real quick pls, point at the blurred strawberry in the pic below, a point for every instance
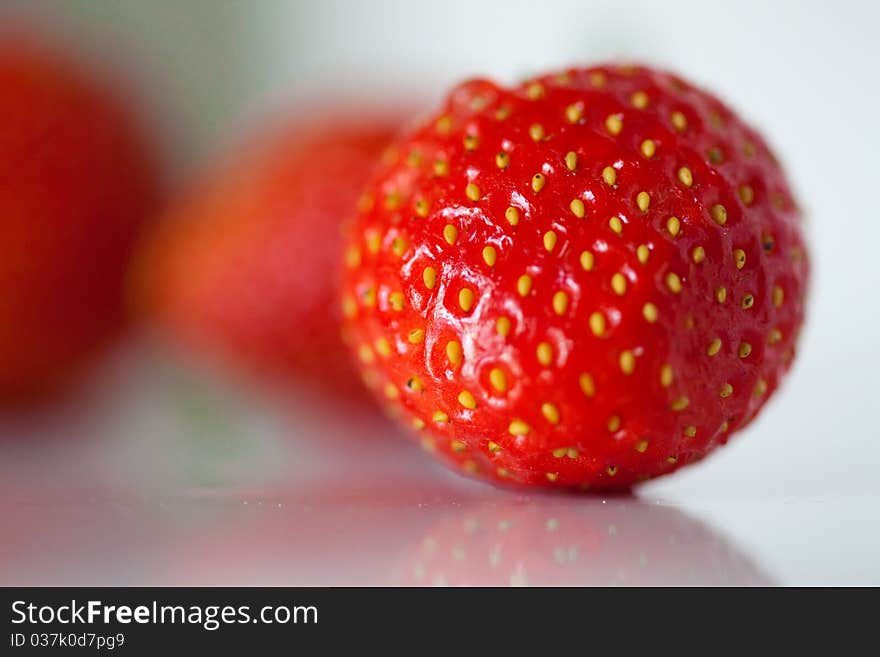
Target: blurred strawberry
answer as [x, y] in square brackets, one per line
[243, 265]
[75, 184]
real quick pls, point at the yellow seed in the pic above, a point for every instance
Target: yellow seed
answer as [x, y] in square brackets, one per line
[679, 122]
[441, 168]
[698, 254]
[551, 476]
[690, 431]
[714, 347]
[778, 296]
[597, 78]
[544, 353]
[739, 257]
[685, 177]
[353, 257]
[613, 423]
[747, 301]
[457, 446]
[577, 208]
[391, 391]
[466, 399]
[466, 299]
[642, 446]
[550, 413]
[416, 336]
[349, 306]
[614, 124]
[422, 208]
[648, 148]
[538, 181]
[415, 384]
[524, 285]
[383, 347]
[574, 112]
[490, 255]
[414, 159]
[502, 326]
[616, 225]
[611, 470]
[493, 447]
[560, 302]
[726, 391]
[746, 194]
[398, 246]
[760, 387]
[597, 324]
[649, 311]
[518, 428]
[671, 459]
[673, 282]
[587, 260]
[369, 297]
[374, 241]
[627, 362]
[429, 276]
[774, 336]
[396, 300]
[571, 160]
[512, 216]
[502, 160]
[502, 113]
[680, 404]
[392, 201]
[639, 100]
[498, 379]
[588, 386]
[471, 142]
[719, 214]
[536, 132]
[450, 234]
[643, 252]
[673, 225]
[609, 175]
[472, 192]
[535, 91]
[453, 352]
[444, 125]
[666, 375]
[643, 200]
[550, 240]
[745, 349]
[618, 283]
[721, 294]
[418, 423]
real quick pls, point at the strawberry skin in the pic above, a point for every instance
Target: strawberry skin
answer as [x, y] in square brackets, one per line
[76, 184]
[588, 280]
[242, 267]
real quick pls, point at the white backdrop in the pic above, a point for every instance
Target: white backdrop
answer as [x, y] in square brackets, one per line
[804, 72]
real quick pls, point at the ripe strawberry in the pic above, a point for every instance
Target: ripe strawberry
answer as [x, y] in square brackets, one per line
[243, 265]
[590, 279]
[76, 183]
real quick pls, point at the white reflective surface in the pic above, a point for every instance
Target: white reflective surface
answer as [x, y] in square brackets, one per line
[160, 476]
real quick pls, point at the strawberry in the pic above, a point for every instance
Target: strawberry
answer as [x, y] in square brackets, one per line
[76, 183]
[587, 280]
[242, 266]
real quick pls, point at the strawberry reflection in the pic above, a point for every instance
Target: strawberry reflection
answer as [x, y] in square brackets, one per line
[553, 542]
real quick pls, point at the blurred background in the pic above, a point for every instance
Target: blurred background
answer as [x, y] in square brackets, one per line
[157, 472]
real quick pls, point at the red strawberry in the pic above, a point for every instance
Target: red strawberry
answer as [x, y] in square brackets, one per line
[75, 184]
[590, 279]
[243, 266]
